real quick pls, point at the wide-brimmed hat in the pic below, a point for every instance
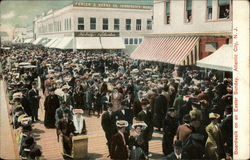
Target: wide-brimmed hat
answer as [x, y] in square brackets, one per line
[65, 87]
[139, 123]
[76, 111]
[121, 123]
[214, 115]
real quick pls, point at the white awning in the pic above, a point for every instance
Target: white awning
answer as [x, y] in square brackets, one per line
[38, 40]
[112, 43]
[88, 43]
[66, 43]
[50, 42]
[58, 40]
[28, 40]
[221, 59]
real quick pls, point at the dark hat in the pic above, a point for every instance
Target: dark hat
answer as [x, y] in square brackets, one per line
[27, 128]
[29, 141]
[178, 143]
[52, 89]
[229, 108]
[187, 118]
[34, 83]
[172, 109]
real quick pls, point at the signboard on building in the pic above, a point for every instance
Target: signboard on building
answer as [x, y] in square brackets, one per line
[108, 5]
[96, 34]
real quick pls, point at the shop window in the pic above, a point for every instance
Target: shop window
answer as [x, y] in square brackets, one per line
[209, 9]
[224, 9]
[93, 23]
[168, 12]
[126, 41]
[131, 41]
[138, 24]
[188, 11]
[105, 23]
[116, 24]
[128, 24]
[135, 41]
[80, 23]
[149, 24]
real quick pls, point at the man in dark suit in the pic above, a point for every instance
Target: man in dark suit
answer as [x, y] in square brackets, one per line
[33, 97]
[119, 145]
[108, 125]
[178, 154]
[124, 114]
[66, 130]
[226, 127]
[146, 116]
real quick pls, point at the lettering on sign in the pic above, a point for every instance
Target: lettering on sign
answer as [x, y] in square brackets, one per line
[108, 5]
[96, 34]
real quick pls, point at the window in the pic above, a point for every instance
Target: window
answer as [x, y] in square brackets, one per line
[224, 9]
[116, 24]
[93, 23]
[128, 24]
[209, 9]
[135, 41]
[188, 11]
[105, 23]
[211, 47]
[138, 24]
[126, 40]
[80, 23]
[149, 24]
[168, 12]
[70, 24]
[131, 41]
[60, 26]
[140, 40]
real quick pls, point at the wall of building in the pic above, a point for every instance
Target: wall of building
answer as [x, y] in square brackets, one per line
[204, 40]
[199, 23]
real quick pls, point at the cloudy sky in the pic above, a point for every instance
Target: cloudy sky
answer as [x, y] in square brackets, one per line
[21, 13]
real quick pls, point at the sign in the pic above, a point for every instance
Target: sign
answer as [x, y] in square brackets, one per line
[96, 34]
[108, 5]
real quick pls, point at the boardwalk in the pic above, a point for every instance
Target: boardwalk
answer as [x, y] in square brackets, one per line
[46, 139]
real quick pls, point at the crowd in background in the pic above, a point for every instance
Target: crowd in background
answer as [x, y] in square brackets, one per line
[135, 98]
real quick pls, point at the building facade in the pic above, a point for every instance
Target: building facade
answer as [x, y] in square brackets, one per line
[208, 23]
[129, 22]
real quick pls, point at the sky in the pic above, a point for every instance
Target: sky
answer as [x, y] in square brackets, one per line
[14, 13]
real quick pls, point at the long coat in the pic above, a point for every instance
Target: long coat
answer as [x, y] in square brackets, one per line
[214, 144]
[147, 118]
[108, 125]
[119, 150]
[51, 103]
[161, 106]
[66, 129]
[170, 125]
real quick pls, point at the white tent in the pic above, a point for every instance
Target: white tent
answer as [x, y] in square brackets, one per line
[221, 59]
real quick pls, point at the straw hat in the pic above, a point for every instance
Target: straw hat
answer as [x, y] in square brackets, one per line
[65, 87]
[75, 111]
[214, 116]
[139, 123]
[121, 123]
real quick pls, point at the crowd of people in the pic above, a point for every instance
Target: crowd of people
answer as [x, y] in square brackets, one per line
[134, 99]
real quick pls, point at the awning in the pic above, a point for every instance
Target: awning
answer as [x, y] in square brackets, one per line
[50, 42]
[173, 49]
[221, 59]
[112, 43]
[28, 40]
[57, 41]
[88, 43]
[66, 43]
[38, 40]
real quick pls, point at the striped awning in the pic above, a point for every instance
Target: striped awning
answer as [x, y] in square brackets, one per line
[172, 49]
